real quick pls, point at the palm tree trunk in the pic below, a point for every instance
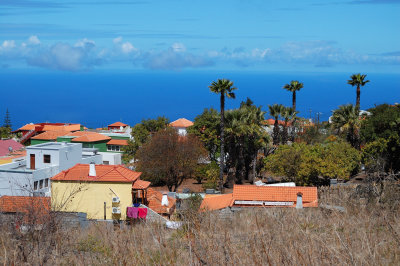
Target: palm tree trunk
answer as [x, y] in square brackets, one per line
[275, 133]
[294, 100]
[358, 98]
[222, 155]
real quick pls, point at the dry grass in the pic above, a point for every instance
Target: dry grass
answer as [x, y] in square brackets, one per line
[366, 234]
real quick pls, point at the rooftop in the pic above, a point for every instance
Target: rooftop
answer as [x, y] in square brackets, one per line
[5, 145]
[23, 204]
[51, 146]
[121, 142]
[118, 124]
[154, 198]
[85, 136]
[104, 173]
[181, 122]
[51, 135]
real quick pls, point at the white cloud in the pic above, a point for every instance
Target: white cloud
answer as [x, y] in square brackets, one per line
[178, 47]
[127, 47]
[34, 40]
[117, 40]
[8, 44]
[85, 43]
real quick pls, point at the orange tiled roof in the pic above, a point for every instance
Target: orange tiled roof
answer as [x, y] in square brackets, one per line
[122, 142]
[23, 204]
[154, 198]
[51, 135]
[141, 184]
[85, 136]
[181, 122]
[27, 127]
[284, 194]
[118, 124]
[104, 173]
[216, 202]
[73, 127]
[271, 122]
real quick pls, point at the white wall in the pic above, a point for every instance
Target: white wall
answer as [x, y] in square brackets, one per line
[113, 158]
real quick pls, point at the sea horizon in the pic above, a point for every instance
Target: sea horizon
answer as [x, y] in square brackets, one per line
[98, 98]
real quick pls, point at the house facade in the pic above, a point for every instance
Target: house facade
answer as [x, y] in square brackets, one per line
[104, 192]
[31, 175]
[181, 125]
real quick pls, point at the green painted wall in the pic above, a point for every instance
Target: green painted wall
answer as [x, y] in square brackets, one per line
[116, 137]
[100, 145]
[39, 141]
[65, 139]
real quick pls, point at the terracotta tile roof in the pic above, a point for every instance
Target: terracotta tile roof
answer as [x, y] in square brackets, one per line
[121, 142]
[23, 204]
[14, 155]
[216, 202]
[6, 143]
[50, 127]
[271, 122]
[282, 194]
[104, 173]
[141, 184]
[85, 136]
[51, 135]
[27, 127]
[181, 122]
[118, 124]
[154, 198]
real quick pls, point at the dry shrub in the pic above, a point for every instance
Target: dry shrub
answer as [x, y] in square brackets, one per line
[365, 234]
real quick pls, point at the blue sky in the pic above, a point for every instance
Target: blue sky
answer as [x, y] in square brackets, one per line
[248, 35]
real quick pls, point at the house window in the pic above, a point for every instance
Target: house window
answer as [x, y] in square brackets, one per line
[46, 182]
[35, 185]
[117, 148]
[46, 158]
[109, 147]
[41, 184]
[113, 147]
[106, 162]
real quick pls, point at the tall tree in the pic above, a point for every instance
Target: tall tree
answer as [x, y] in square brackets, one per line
[294, 86]
[168, 158]
[224, 88]
[346, 119]
[275, 111]
[7, 120]
[359, 81]
[288, 114]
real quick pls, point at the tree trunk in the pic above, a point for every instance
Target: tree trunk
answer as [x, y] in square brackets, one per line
[222, 155]
[294, 100]
[358, 98]
[275, 133]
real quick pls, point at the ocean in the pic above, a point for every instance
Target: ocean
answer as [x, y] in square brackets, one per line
[96, 99]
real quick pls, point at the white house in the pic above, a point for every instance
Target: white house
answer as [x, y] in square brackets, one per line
[31, 175]
[181, 125]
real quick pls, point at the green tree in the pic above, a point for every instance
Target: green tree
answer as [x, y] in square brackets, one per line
[314, 164]
[289, 115]
[294, 86]
[7, 120]
[275, 111]
[381, 133]
[168, 159]
[346, 119]
[359, 81]
[207, 128]
[245, 137]
[224, 88]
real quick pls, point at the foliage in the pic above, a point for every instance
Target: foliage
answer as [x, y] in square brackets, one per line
[275, 111]
[381, 131]
[5, 132]
[206, 127]
[289, 115]
[245, 137]
[359, 81]
[168, 158]
[141, 133]
[211, 174]
[224, 88]
[7, 120]
[294, 86]
[305, 164]
[346, 120]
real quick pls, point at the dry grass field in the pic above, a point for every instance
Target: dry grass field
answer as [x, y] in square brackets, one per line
[367, 233]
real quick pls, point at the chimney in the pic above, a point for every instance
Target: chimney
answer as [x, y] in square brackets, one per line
[299, 202]
[164, 201]
[92, 169]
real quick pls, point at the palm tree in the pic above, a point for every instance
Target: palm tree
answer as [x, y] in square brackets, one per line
[358, 80]
[275, 111]
[224, 87]
[294, 86]
[288, 113]
[346, 118]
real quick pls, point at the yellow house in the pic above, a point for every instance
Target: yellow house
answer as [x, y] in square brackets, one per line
[101, 191]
